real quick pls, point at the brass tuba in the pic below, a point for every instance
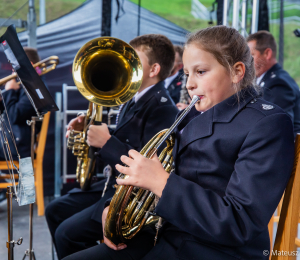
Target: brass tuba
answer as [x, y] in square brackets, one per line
[131, 207]
[108, 72]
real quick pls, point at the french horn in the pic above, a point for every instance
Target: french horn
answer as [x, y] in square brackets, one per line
[132, 208]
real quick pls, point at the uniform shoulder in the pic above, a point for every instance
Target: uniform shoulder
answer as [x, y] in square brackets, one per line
[282, 77]
[264, 107]
[163, 98]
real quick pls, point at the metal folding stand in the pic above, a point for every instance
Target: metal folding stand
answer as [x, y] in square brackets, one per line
[41, 96]
[29, 252]
[10, 243]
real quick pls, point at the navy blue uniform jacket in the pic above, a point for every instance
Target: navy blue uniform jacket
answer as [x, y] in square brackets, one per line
[232, 164]
[153, 112]
[281, 89]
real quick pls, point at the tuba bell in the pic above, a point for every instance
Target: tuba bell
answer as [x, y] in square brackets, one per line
[108, 72]
[131, 208]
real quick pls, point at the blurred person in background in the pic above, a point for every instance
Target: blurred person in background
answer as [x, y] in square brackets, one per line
[175, 81]
[277, 85]
[18, 109]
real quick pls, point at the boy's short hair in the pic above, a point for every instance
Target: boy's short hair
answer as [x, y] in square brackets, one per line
[159, 49]
[179, 50]
[264, 40]
[32, 54]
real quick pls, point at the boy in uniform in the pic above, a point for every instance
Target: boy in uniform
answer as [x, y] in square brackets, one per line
[74, 220]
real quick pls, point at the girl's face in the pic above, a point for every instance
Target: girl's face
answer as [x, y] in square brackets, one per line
[206, 78]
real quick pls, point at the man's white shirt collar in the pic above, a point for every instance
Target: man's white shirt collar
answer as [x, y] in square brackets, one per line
[258, 80]
[169, 80]
[138, 95]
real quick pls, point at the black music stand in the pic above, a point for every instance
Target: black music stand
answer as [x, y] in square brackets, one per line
[40, 99]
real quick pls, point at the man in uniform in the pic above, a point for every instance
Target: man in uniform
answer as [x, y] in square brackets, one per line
[277, 85]
[74, 220]
[174, 82]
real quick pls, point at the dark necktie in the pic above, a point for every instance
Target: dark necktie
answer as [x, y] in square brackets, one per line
[129, 106]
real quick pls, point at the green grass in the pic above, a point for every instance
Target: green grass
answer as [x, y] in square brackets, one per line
[291, 49]
[176, 11]
[54, 9]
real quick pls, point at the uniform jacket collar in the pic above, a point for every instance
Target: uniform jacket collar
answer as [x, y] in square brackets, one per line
[270, 71]
[202, 125]
[124, 119]
[179, 78]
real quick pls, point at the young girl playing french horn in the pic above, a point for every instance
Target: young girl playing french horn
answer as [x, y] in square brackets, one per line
[233, 157]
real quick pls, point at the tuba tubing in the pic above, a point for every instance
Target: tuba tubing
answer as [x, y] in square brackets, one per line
[108, 72]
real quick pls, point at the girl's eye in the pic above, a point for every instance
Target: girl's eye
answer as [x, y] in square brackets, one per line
[201, 72]
[186, 75]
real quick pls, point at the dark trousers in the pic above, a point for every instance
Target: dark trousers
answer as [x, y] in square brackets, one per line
[70, 221]
[171, 245]
[140, 247]
[137, 247]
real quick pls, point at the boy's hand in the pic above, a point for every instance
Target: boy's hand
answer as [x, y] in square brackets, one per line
[106, 240]
[142, 172]
[12, 84]
[98, 135]
[76, 124]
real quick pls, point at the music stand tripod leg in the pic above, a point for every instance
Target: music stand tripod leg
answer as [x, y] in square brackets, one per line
[10, 243]
[29, 252]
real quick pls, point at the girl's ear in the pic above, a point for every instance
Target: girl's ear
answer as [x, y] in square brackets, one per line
[154, 71]
[238, 72]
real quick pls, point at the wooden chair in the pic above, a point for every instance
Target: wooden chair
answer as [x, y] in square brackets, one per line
[289, 215]
[274, 219]
[38, 166]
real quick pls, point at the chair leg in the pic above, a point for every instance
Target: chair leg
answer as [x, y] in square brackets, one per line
[271, 228]
[39, 189]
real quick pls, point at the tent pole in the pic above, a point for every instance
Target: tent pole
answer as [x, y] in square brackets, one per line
[106, 18]
[42, 12]
[31, 22]
[281, 35]
[139, 18]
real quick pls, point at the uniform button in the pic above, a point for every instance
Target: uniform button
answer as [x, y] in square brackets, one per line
[127, 140]
[253, 101]
[17, 139]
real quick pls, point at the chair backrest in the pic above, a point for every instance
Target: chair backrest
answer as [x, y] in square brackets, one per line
[289, 216]
[41, 144]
